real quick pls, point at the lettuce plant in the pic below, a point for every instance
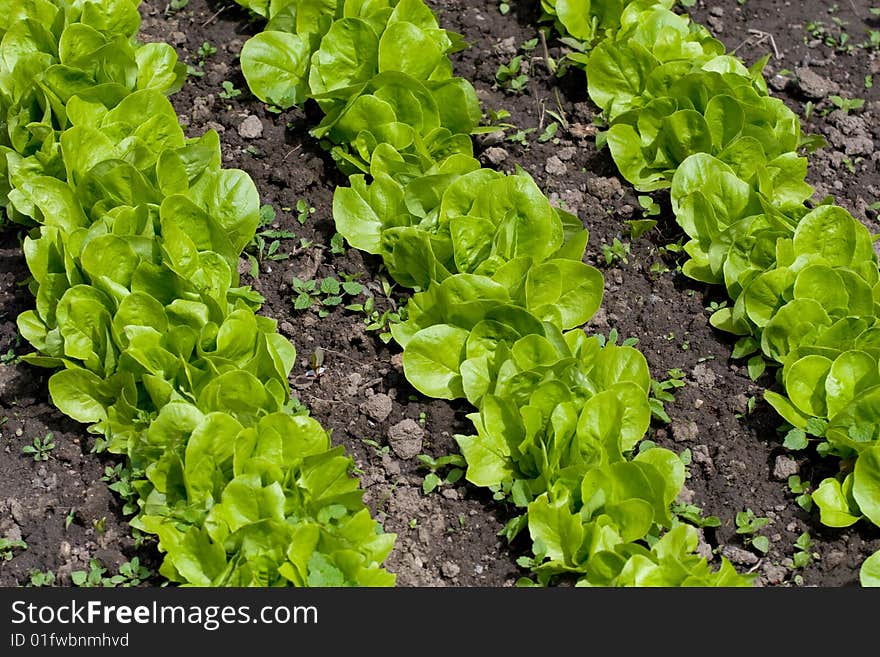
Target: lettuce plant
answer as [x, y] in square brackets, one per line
[804, 280]
[500, 289]
[133, 248]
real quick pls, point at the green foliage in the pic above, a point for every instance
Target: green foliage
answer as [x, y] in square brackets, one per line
[662, 392]
[501, 290]
[121, 480]
[869, 573]
[131, 573]
[795, 439]
[38, 578]
[267, 241]
[8, 545]
[846, 105]
[694, 515]
[229, 91]
[549, 133]
[380, 321]
[453, 463]
[134, 237]
[747, 525]
[638, 227]
[616, 252]
[650, 207]
[303, 211]
[802, 491]
[327, 293]
[205, 50]
[683, 114]
[510, 76]
[804, 555]
[41, 447]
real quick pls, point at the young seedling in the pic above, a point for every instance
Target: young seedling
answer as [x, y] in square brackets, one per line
[120, 479]
[802, 490]
[796, 439]
[229, 91]
[662, 393]
[833, 37]
[131, 573]
[803, 554]
[10, 357]
[8, 545]
[694, 515]
[176, 5]
[495, 121]
[846, 105]
[303, 211]
[747, 525]
[511, 77]
[658, 268]
[379, 450]
[435, 479]
[617, 252]
[612, 338]
[41, 448]
[328, 293]
[674, 248]
[638, 227]
[337, 244]
[266, 243]
[809, 108]
[521, 137]
[39, 578]
[686, 457]
[650, 208]
[715, 306]
[380, 321]
[549, 133]
[94, 576]
[205, 50]
[751, 402]
[513, 527]
[294, 406]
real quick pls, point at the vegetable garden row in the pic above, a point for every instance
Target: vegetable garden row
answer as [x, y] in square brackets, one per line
[137, 233]
[134, 262]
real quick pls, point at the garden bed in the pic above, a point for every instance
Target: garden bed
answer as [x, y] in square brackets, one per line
[350, 377]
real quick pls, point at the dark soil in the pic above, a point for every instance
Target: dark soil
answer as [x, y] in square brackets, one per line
[351, 379]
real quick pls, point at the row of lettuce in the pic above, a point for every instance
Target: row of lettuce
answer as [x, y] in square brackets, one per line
[133, 240]
[684, 115]
[500, 291]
